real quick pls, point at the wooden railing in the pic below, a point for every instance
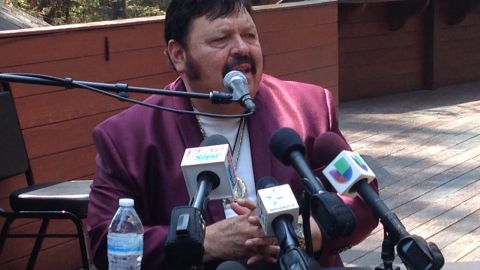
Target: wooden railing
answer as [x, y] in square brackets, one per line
[389, 46]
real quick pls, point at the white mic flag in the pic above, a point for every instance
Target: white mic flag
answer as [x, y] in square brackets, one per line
[346, 170]
[215, 158]
[273, 202]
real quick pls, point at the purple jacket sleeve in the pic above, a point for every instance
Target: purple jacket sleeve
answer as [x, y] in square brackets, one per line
[112, 182]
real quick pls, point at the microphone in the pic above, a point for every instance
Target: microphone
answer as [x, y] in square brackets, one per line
[278, 210]
[236, 82]
[203, 167]
[209, 167]
[334, 218]
[231, 265]
[350, 175]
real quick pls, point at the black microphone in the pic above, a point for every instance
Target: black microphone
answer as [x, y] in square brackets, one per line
[349, 174]
[334, 218]
[236, 82]
[291, 255]
[231, 265]
[207, 180]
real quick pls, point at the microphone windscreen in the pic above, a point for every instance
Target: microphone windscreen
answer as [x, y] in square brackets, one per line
[215, 139]
[231, 265]
[266, 182]
[327, 146]
[283, 142]
[233, 75]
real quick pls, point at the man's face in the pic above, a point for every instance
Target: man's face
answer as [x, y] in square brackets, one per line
[216, 47]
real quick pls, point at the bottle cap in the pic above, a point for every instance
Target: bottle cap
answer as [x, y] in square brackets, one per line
[125, 202]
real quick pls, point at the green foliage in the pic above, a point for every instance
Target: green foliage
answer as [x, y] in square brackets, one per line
[58, 12]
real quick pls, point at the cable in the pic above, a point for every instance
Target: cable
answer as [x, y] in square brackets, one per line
[69, 83]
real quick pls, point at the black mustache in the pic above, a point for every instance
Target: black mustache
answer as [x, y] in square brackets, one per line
[239, 60]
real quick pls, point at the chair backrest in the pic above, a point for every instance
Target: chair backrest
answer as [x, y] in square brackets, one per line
[13, 153]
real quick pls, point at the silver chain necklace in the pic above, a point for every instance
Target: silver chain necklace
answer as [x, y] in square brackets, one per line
[240, 190]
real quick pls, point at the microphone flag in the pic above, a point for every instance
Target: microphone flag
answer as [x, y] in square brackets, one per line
[346, 170]
[273, 202]
[214, 158]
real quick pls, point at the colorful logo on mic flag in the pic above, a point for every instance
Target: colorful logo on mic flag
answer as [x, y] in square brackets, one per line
[275, 199]
[343, 172]
[360, 162]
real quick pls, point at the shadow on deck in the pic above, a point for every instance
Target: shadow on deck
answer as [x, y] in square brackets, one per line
[424, 147]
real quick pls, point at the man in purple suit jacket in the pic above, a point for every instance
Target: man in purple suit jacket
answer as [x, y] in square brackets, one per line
[140, 149]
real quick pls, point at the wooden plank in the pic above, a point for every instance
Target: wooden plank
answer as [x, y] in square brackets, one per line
[407, 110]
[422, 128]
[24, 245]
[435, 143]
[350, 14]
[378, 70]
[397, 40]
[431, 228]
[77, 44]
[63, 136]
[9, 186]
[422, 210]
[372, 87]
[65, 166]
[451, 235]
[466, 243]
[474, 255]
[50, 257]
[435, 168]
[121, 67]
[456, 46]
[452, 76]
[63, 105]
[375, 28]
[380, 56]
[459, 33]
[324, 76]
[304, 16]
[437, 136]
[302, 60]
[311, 36]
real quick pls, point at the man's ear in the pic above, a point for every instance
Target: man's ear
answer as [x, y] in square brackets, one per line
[176, 55]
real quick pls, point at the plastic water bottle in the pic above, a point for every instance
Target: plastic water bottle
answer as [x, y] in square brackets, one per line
[125, 238]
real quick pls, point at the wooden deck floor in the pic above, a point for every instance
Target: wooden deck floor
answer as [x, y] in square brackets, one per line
[425, 150]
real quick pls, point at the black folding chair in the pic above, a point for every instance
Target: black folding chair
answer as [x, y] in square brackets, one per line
[47, 201]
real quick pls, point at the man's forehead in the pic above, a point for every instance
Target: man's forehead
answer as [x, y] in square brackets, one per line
[237, 12]
[208, 20]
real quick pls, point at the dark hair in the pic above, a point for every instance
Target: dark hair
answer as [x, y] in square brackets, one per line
[181, 13]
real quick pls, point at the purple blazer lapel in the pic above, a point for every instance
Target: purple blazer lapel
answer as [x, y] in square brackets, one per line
[259, 131]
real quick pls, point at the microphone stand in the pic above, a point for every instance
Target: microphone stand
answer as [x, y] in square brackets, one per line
[216, 97]
[305, 205]
[388, 253]
[414, 251]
